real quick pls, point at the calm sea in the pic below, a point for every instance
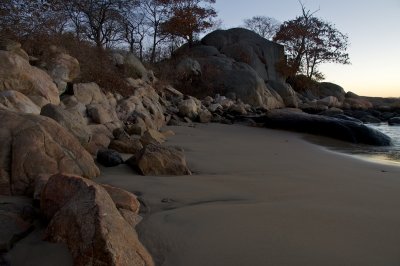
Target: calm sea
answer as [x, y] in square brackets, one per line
[387, 153]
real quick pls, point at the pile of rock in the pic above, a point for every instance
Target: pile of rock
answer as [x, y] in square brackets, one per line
[52, 129]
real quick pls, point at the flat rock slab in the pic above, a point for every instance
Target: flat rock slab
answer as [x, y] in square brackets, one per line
[325, 126]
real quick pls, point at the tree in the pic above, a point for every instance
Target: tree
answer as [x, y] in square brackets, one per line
[310, 41]
[189, 18]
[134, 28]
[266, 27]
[98, 21]
[156, 13]
[27, 18]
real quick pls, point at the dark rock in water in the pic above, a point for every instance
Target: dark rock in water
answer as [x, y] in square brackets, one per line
[109, 158]
[370, 119]
[349, 118]
[326, 126]
[395, 121]
[385, 116]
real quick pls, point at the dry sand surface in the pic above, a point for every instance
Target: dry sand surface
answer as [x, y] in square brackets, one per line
[266, 197]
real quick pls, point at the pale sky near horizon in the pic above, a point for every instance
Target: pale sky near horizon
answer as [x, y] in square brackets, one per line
[373, 28]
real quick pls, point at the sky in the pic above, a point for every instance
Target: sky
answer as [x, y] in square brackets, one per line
[373, 27]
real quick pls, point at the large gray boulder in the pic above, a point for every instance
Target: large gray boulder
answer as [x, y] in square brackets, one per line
[238, 63]
[248, 47]
[326, 126]
[326, 89]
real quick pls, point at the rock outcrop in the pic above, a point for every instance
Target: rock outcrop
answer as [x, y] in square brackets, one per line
[17, 74]
[15, 101]
[159, 160]
[109, 158]
[395, 121]
[95, 232]
[237, 63]
[61, 67]
[73, 122]
[33, 145]
[326, 126]
[143, 107]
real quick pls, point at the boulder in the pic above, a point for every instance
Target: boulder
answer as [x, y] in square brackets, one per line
[159, 160]
[395, 121]
[62, 67]
[72, 105]
[152, 137]
[101, 113]
[188, 108]
[16, 216]
[101, 137]
[205, 116]
[130, 145]
[326, 89]
[326, 126]
[13, 46]
[32, 145]
[248, 47]
[73, 122]
[330, 101]
[370, 119]
[135, 69]
[237, 62]
[313, 107]
[15, 101]
[214, 107]
[238, 109]
[188, 68]
[357, 103]
[289, 96]
[138, 128]
[17, 74]
[94, 232]
[123, 199]
[88, 93]
[230, 76]
[145, 104]
[109, 158]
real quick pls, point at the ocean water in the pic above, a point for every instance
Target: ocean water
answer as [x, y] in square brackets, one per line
[391, 153]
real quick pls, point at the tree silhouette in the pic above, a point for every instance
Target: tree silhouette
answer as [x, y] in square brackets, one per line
[310, 41]
[189, 18]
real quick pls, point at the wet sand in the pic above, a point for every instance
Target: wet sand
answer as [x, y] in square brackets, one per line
[266, 197]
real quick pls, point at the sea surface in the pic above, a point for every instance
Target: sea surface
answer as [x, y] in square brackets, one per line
[391, 153]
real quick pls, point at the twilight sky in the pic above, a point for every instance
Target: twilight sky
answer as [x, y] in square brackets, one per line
[373, 27]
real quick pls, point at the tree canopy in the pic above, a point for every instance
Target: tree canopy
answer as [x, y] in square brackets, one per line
[189, 18]
[266, 27]
[310, 41]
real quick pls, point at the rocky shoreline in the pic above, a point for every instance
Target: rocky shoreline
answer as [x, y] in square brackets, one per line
[55, 132]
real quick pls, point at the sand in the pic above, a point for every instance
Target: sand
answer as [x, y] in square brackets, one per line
[267, 197]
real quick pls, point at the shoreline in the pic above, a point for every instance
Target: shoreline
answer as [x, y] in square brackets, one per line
[260, 196]
[356, 151]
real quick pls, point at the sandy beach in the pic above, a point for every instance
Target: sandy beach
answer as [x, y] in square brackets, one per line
[266, 197]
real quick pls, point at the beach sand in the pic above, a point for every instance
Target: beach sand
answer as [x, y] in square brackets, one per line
[257, 197]
[266, 197]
